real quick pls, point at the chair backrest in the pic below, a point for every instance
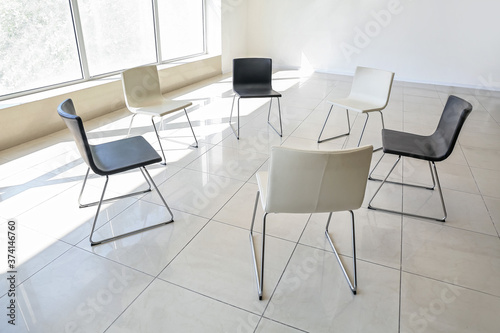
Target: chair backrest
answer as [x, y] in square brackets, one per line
[301, 181]
[372, 85]
[141, 86]
[252, 71]
[75, 125]
[452, 119]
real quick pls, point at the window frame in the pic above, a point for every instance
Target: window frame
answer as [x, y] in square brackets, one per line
[84, 66]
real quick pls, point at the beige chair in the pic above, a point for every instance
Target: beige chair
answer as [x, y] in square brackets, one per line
[141, 87]
[300, 181]
[370, 91]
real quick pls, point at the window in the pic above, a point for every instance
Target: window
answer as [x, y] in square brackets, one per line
[37, 45]
[117, 34]
[181, 28]
[52, 43]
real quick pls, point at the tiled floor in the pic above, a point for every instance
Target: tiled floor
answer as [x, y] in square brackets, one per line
[196, 274]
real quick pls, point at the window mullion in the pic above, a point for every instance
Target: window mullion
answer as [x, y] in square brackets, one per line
[79, 39]
[157, 31]
[204, 18]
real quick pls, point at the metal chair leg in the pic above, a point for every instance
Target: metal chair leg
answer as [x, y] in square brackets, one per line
[110, 239]
[260, 280]
[237, 134]
[280, 133]
[338, 136]
[159, 141]
[363, 131]
[110, 199]
[130, 125]
[353, 285]
[232, 107]
[435, 179]
[364, 127]
[383, 127]
[349, 128]
[192, 131]
[370, 177]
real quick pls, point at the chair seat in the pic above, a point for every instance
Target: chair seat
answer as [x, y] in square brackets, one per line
[256, 92]
[429, 148]
[122, 155]
[159, 110]
[358, 105]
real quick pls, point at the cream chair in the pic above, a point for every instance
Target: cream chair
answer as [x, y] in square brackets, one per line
[300, 181]
[141, 87]
[370, 91]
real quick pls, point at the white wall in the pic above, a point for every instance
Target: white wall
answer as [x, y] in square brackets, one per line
[213, 25]
[234, 31]
[453, 42]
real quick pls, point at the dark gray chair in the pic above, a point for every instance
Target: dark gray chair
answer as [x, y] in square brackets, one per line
[111, 158]
[433, 148]
[252, 79]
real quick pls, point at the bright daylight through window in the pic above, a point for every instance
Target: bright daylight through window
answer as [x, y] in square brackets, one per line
[37, 45]
[40, 48]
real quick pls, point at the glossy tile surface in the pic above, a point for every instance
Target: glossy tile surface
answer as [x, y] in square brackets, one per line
[196, 274]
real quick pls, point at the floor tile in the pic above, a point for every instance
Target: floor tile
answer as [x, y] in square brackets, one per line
[229, 162]
[78, 291]
[165, 307]
[28, 189]
[493, 205]
[32, 251]
[488, 181]
[260, 122]
[312, 144]
[465, 210]
[196, 192]
[480, 140]
[269, 326]
[149, 251]
[238, 211]
[476, 126]
[251, 139]
[470, 260]
[378, 235]
[313, 295]
[482, 158]
[433, 306]
[60, 217]
[221, 255]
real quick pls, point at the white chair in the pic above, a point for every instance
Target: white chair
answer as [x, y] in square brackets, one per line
[370, 91]
[300, 181]
[141, 87]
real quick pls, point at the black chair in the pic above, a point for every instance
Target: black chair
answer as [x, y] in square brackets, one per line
[111, 158]
[252, 79]
[433, 148]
